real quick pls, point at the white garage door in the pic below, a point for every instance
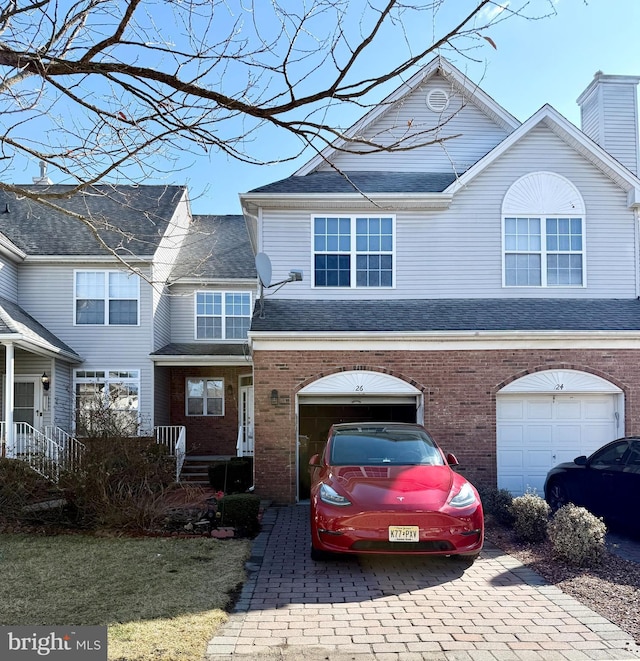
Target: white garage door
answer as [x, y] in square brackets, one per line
[537, 431]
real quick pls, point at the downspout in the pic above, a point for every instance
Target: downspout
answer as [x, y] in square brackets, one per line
[636, 213]
[9, 399]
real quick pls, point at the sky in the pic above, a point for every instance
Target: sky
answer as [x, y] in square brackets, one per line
[535, 62]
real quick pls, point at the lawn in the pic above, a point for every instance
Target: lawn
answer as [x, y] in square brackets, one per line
[161, 598]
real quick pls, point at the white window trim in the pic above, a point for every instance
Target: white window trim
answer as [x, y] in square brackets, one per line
[106, 298]
[353, 252]
[543, 194]
[204, 415]
[107, 381]
[223, 315]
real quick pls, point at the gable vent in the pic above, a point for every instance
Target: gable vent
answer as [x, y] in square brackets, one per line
[438, 100]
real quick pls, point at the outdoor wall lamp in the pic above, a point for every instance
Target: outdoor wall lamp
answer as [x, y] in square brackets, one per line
[274, 397]
[46, 382]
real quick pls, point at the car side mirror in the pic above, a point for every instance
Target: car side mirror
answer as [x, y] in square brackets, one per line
[580, 461]
[451, 459]
[315, 460]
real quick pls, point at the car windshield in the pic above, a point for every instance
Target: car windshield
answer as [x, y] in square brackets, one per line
[378, 446]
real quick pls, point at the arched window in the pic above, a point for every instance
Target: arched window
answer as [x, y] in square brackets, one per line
[543, 233]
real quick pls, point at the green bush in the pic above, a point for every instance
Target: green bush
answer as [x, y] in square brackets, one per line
[577, 536]
[240, 511]
[530, 517]
[497, 503]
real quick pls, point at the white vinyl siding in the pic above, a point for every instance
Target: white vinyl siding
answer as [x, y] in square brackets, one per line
[458, 253]
[8, 280]
[475, 135]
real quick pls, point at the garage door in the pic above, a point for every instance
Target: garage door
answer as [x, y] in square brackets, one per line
[537, 431]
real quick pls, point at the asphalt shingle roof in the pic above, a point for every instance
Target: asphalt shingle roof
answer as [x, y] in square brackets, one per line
[201, 349]
[130, 219]
[216, 247]
[416, 315]
[363, 181]
[13, 319]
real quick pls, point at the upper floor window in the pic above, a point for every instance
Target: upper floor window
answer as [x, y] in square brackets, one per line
[107, 402]
[542, 252]
[222, 315]
[353, 251]
[543, 233]
[106, 298]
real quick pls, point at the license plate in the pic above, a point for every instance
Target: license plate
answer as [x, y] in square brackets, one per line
[404, 534]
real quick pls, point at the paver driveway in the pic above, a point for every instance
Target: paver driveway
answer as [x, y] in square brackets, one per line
[403, 608]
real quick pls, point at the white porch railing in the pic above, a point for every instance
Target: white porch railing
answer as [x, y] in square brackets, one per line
[73, 449]
[45, 455]
[175, 440]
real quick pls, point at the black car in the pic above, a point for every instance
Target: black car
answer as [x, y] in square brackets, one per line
[607, 483]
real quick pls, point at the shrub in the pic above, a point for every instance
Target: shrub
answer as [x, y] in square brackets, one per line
[122, 484]
[531, 515]
[497, 503]
[232, 476]
[21, 486]
[577, 536]
[240, 511]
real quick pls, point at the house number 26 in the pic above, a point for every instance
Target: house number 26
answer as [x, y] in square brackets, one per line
[359, 388]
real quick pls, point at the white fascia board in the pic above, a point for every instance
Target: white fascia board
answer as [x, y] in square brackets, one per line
[439, 64]
[357, 201]
[40, 348]
[216, 282]
[443, 341]
[565, 130]
[212, 361]
[10, 250]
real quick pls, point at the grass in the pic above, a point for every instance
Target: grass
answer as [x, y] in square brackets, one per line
[161, 598]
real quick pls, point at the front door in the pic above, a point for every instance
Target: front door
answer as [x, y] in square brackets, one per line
[27, 411]
[245, 432]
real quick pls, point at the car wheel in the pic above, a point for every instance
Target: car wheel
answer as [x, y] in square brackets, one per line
[465, 560]
[557, 496]
[318, 555]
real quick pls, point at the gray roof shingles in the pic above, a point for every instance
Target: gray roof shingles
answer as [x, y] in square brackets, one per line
[361, 181]
[130, 219]
[13, 319]
[216, 247]
[201, 349]
[449, 315]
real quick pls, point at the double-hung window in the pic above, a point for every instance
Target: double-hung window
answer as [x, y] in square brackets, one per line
[222, 315]
[107, 402]
[353, 251]
[205, 396]
[543, 252]
[106, 298]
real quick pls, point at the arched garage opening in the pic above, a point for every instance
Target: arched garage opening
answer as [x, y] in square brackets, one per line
[350, 396]
[552, 416]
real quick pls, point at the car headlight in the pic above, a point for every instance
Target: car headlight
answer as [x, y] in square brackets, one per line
[464, 497]
[332, 497]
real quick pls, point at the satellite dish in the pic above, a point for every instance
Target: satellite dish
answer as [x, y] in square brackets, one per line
[263, 266]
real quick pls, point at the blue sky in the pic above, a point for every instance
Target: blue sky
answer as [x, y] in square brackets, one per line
[535, 62]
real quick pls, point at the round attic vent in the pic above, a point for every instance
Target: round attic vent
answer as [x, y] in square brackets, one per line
[438, 100]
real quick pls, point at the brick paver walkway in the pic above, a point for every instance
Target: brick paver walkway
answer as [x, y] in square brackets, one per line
[403, 608]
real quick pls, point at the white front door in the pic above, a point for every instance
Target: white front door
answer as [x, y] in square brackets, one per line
[537, 431]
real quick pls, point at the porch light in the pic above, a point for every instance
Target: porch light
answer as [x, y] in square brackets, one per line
[274, 397]
[45, 381]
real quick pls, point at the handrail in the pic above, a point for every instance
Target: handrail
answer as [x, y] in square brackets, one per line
[42, 453]
[73, 448]
[174, 438]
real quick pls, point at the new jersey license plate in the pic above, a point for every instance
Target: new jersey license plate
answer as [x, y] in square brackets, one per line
[404, 534]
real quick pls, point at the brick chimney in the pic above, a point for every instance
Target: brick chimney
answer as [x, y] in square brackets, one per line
[609, 116]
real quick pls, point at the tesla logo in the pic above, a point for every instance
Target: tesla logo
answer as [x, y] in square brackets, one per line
[400, 498]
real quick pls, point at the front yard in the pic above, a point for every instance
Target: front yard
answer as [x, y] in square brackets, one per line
[161, 597]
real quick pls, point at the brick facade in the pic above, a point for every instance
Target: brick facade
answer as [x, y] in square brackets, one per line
[208, 435]
[459, 398]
